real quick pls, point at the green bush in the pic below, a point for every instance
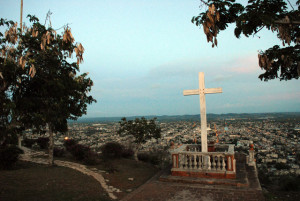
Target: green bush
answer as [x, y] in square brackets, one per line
[43, 142]
[91, 158]
[127, 153]
[156, 157]
[289, 183]
[79, 151]
[69, 143]
[149, 158]
[9, 155]
[112, 150]
[58, 152]
[28, 142]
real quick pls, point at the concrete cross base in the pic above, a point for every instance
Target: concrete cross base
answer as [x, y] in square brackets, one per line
[204, 174]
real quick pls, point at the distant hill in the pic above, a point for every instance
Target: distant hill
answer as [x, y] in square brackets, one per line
[196, 117]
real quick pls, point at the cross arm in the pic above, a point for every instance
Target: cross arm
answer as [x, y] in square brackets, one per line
[213, 90]
[191, 92]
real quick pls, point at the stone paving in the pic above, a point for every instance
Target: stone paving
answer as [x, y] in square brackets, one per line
[157, 190]
[34, 156]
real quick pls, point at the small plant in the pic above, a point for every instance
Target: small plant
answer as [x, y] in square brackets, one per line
[28, 142]
[69, 143]
[91, 158]
[58, 152]
[127, 153]
[9, 155]
[43, 142]
[79, 151]
[112, 150]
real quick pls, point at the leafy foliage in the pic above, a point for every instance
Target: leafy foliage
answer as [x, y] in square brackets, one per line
[274, 15]
[79, 151]
[141, 129]
[112, 150]
[69, 143]
[9, 156]
[39, 85]
[58, 152]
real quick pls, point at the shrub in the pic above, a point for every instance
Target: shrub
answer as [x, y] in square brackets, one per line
[91, 158]
[112, 150]
[79, 151]
[289, 183]
[145, 157]
[158, 158]
[58, 152]
[9, 155]
[127, 153]
[69, 143]
[28, 142]
[43, 142]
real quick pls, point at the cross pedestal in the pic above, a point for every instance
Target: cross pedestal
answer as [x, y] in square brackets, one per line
[201, 92]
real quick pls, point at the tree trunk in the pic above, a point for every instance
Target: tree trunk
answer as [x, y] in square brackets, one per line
[136, 153]
[51, 146]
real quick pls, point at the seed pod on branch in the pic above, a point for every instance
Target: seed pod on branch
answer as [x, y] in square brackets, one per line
[68, 37]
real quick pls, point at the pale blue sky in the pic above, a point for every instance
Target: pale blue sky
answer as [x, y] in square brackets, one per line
[142, 54]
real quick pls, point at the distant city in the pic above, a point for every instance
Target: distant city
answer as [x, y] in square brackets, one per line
[275, 135]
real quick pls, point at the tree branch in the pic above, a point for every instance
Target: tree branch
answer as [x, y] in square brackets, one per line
[290, 4]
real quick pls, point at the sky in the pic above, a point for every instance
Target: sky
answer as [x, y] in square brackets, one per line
[142, 54]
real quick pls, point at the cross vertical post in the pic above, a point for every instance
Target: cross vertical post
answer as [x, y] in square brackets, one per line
[201, 92]
[203, 113]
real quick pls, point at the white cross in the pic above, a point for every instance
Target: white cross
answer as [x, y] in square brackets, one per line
[202, 91]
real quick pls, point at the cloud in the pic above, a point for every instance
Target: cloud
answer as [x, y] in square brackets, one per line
[247, 64]
[155, 86]
[279, 97]
[178, 68]
[222, 77]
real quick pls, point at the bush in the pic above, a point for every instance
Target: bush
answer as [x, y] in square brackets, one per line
[289, 183]
[43, 142]
[91, 158]
[9, 155]
[145, 157]
[79, 151]
[58, 152]
[112, 150]
[127, 153]
[69, 143]
[28, 142]
[157, 157]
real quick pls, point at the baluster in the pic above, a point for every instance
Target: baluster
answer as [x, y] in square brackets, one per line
[200, 161]
[229, 163]
[174, 161]
[208, 163]
[185, 161]
[214, 162]
[195, 162]
[223, 164]
[190, 161]
[181, 161]
[219, 163]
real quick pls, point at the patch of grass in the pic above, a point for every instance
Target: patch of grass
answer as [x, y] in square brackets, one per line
[127, 168]
[37, 182]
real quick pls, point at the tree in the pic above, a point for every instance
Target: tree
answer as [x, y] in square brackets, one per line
[141, 129]
[275, 15]
[45, 91]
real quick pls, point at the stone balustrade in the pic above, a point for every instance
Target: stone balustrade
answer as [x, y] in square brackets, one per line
[189, 161]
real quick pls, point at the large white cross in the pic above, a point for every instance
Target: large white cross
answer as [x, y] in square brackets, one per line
[202, 91]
